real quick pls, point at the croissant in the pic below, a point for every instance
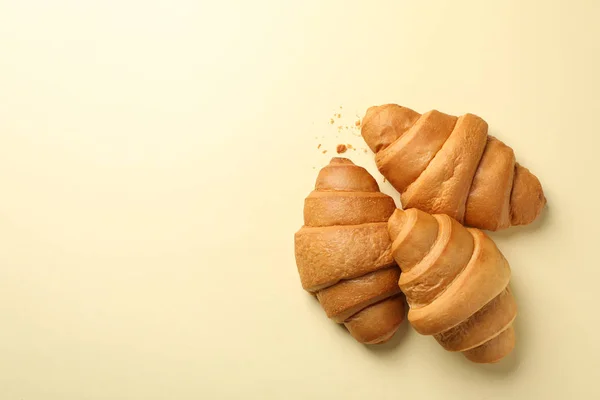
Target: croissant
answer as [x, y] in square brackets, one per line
[456, 284]
[343, 252]
[444, 164]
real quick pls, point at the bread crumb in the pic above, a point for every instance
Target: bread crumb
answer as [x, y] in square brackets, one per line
[384, 179]
[331, 121]
[357, 123]
[319, 146]
[338, 115]
[341, 148]
[365, 150]
[324, 151]
[350, 146]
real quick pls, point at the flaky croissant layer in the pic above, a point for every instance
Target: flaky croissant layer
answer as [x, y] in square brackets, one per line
[456, 284]
[444, 164]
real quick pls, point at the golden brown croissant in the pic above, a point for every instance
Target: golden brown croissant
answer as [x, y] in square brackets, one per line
[456, 284]
[343, 252]
[449, 165]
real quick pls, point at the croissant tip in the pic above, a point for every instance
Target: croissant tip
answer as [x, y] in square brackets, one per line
[340, 160]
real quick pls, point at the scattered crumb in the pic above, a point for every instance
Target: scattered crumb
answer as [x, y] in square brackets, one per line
[319, 146]
[350, 146]
[324, 151]
[331, 121]
[341, 148]
[357, 123]
[338, 115]
[384, 179]
[365, 150]
[340, 107]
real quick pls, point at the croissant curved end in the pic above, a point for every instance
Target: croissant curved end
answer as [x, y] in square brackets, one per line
[527, 199]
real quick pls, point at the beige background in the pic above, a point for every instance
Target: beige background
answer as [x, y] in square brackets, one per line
[154, 158]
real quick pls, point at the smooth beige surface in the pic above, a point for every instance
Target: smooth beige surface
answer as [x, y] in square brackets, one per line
[154, 159]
